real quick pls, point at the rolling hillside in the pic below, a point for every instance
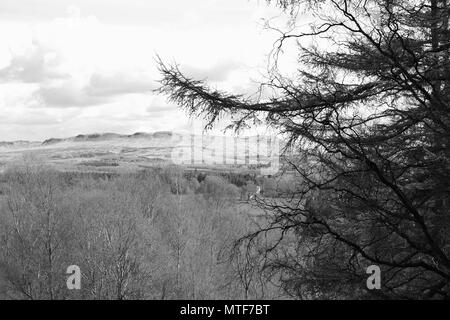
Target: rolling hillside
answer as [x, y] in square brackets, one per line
[114, 152]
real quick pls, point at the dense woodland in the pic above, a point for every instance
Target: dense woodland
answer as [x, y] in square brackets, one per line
[156, 234]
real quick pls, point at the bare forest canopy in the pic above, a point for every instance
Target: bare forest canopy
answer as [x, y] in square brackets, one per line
[163, 233]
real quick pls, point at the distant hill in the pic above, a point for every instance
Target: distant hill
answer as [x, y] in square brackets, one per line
[115, 152]
[109, 136]
[18, 144]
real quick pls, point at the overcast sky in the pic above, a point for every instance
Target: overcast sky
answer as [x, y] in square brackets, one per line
[85, 66]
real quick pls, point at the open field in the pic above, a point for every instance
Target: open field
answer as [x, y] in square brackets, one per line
[123, 153]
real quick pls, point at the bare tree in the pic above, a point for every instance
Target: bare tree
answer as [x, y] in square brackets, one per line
[369, 115]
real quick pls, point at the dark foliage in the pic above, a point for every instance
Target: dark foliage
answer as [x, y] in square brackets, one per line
[370, 116]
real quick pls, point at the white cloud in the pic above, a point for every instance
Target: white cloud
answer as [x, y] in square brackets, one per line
[159, 106]
[66, 93]
[35, 64]
[91, 67]
[122, 82]
[216, 73]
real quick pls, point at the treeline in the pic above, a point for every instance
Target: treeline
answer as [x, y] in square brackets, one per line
[160, 234]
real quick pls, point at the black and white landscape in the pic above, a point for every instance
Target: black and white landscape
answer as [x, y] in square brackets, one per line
[212, 149]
